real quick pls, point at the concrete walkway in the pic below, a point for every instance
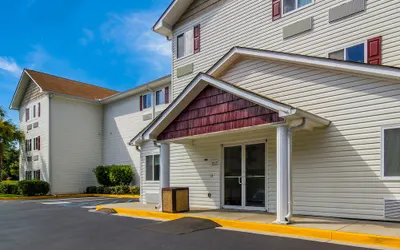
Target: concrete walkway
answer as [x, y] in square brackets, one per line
[368, 232]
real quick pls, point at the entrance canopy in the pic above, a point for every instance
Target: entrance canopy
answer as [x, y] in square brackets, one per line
[208, 105]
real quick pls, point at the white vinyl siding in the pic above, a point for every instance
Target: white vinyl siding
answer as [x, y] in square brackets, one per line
[33, 97]
[76, 143]
[336, 171]
[148, 188]
[248, 23]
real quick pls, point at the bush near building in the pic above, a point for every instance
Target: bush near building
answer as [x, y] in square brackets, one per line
[114, 175]
[26, 188]
[134, 190]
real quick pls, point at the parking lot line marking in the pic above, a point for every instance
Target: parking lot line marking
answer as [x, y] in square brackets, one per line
[55, 203]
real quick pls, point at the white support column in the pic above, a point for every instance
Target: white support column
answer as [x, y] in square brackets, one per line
[164, 169]
[282, 175]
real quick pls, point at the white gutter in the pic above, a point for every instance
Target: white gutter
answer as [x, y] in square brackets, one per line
[290, 189]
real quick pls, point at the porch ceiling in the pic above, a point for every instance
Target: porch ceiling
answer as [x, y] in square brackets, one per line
[291, 116]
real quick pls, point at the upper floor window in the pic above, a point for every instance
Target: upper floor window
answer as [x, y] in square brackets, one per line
[188, 43]
[146, 101]
[28, 145]
[291, 5]
[160, 97]
[36, 143]
[366, 52]
[390, 157]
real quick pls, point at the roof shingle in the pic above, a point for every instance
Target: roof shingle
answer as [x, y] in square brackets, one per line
[69, 87]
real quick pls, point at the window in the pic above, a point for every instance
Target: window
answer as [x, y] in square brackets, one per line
[291, 5]
[29, 159]
[188, 43]
[147, 100]
[181, 46]
[153, 168]
[160, 97]
[28, 175]
[354, 53]
[36, 143]
[27, 114]
[28, 145]
[36, 174]
[390, 156]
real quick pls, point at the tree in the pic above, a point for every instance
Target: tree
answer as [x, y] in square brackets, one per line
[9, 137]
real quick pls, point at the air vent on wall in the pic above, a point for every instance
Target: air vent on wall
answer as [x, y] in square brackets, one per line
[392, 209]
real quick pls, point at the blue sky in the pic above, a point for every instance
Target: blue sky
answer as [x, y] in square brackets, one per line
[104, 42]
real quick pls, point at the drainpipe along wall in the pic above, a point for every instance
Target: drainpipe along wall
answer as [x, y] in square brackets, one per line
[290, 192]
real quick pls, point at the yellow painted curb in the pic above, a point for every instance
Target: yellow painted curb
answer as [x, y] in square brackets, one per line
[71, 196]
[356, 238]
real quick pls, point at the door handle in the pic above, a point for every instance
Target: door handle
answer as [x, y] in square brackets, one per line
[240, 180]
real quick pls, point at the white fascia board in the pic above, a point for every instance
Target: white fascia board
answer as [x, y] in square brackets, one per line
[20, 90]
[281, 108]
[359, 68]
[171, 15]
[164, 81]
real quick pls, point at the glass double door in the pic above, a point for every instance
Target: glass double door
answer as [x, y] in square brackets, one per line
[244, 176]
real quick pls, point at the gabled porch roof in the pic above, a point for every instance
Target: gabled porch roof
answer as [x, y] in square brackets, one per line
[200, 82]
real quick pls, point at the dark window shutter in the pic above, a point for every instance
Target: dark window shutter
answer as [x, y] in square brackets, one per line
[375, 51]
[141, 103]
[196, 39]
[167, 95]
[276, 9]
[39, 109]
[38, 139]
[38, 175]
[26, 114]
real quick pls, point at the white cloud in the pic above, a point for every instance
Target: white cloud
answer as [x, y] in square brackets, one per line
[88, 36]
[8, 65]
[131, 34]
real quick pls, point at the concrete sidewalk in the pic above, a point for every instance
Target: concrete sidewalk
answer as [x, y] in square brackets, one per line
[384, 234]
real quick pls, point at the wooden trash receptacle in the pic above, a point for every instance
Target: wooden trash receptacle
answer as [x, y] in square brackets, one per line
[175, 200]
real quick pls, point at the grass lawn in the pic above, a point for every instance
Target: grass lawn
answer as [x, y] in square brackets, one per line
[10, 196]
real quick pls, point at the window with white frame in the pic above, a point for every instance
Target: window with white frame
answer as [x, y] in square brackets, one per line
[354, 53]
[147, 100]
[160, 97]
[188, 43]
[28, 175]
[153, 168]
[292, 5]
[390, 155]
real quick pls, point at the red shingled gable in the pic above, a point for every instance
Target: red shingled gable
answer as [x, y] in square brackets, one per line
[215, 110]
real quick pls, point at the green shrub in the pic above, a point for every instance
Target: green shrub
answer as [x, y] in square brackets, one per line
[102, 175]
[91, 190]
[120, 190]
[114, 175]
[8, 188]
[33, 187]
[100, 190]
[108, 190]
[134, 190]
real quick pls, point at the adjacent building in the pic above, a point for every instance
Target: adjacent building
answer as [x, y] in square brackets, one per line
[71, 127]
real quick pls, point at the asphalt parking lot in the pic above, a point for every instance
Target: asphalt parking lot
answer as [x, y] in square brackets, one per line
[67, 224]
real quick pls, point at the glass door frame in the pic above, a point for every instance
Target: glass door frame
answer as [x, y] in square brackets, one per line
[243, 177]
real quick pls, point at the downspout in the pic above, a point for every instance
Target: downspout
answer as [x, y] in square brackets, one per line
[288, 217]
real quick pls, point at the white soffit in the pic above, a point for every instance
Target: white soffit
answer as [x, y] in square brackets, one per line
[171, 15]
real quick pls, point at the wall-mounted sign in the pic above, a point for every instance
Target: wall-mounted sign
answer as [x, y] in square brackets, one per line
[214, 162]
